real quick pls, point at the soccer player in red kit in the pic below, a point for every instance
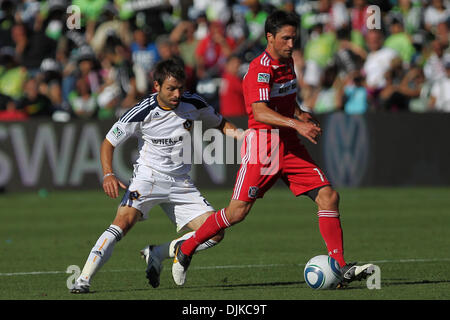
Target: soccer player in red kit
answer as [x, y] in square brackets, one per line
[272, 150]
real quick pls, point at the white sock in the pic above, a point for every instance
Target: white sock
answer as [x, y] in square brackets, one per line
[100, 253]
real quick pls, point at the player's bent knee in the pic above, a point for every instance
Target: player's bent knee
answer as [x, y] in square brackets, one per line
[328, 198]
[238, 215]
[237, 211]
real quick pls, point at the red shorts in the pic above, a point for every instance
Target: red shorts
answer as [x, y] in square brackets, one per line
[266, 157]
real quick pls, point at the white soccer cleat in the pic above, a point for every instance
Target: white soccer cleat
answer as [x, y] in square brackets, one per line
[154, 266]
[180, 265]
[80, 287]
[352, 272]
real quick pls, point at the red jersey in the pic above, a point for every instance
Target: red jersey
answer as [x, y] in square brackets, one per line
[274, 82]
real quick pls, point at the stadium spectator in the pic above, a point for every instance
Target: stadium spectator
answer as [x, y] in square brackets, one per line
[358, 16]
[167, 49]
[183, 35]
[231, 95]
[124, 80]
[83, 83]
[327, 97]
[400, 41]
[12, 78]
[33, 103]
[212, 51]
[214, 10]
[144, 55]
[410, 12]
[185, 42]
[339, 15]
[110, 25]
[415, 86]
[355, 94]
[378, 62]
[87, 68]
[440, 91]
[350, 53]
[52, 18]
[436, 13]
[12, 114]
[32, 46]
[318, 52]
[90, 14]
[434, 67]
[391, 97]
[27, 11]
[442, 35]
[82, 100]
[254, 20]
[50, 82]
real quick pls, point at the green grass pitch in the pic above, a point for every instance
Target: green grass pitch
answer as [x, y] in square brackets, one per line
[405, 231]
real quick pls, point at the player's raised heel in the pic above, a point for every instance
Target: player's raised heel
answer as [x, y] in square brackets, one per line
[180, 265]
[154, 266]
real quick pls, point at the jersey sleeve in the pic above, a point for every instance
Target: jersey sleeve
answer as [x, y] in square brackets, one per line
[206, 113]
[258, 82]
[130, 122]
[121, 131]
[209, 117]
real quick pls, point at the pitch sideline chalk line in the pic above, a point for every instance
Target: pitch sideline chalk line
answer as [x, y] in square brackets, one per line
[412, 260]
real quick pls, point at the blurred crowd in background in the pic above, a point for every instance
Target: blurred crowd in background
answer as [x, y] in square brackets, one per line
[53, 65]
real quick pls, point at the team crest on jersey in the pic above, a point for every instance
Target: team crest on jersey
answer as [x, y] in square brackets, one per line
[134, 195]
[117, 132]
[187, 125]
[263, 77]
[253, 192]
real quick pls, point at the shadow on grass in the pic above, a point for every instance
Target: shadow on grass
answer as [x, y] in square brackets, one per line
[396, 282]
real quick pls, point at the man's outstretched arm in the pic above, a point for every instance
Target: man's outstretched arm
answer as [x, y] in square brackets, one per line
[307, 129]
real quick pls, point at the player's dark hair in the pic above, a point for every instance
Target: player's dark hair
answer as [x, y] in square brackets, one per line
[168, 68]
[278, 19]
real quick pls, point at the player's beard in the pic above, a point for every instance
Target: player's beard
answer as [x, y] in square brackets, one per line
[168, 102]
[285, 54]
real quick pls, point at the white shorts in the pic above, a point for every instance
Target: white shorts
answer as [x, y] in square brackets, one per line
[177, 196]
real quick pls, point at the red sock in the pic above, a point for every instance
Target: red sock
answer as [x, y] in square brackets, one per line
[212, 225]
[331, 230]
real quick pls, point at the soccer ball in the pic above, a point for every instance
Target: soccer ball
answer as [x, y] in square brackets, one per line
[322, 272]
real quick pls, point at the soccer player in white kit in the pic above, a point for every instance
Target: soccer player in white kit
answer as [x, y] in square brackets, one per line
[160, 122]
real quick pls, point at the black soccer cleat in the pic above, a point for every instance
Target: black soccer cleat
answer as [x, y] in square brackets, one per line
[154, 266]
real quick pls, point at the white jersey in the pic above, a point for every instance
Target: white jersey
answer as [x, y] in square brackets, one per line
[161, 131]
